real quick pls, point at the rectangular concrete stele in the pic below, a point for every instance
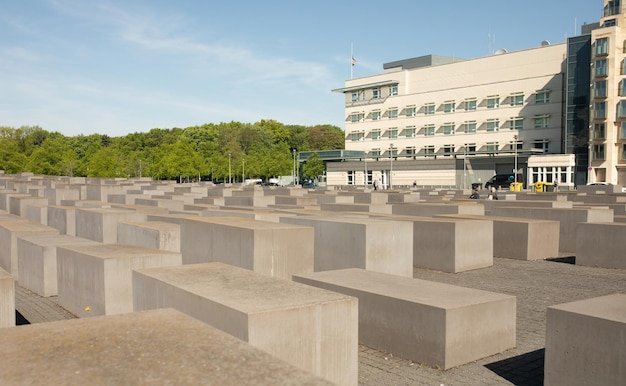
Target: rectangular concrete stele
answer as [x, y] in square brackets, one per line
[272, 249]
[37, 213]
[7, 300]
[315, 330]
[568, 218]
[601, 245]
[18, 204]
[586, 342]
[164, 347]
[37, 261]
[97, 279]
[9, 232]
[374, 244]
[150, 234]
[426, 209]
[100, 224]
[62, 218]
[521, 238]
[436, 324]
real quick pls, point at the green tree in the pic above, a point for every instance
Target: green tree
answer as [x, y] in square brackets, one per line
[313, 167]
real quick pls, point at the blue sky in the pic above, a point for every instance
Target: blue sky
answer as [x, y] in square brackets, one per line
[118, 67]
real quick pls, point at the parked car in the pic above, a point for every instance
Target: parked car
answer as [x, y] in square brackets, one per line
[500, 181]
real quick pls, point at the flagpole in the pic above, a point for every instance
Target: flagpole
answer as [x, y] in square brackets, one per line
[351, 60]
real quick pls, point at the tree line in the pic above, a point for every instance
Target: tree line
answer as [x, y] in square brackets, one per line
[263, 150]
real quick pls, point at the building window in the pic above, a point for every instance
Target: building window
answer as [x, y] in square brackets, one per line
[430, 149]
[621, 109]
[350, 180]
[469, 127]
[599, 131]
[376, 93]
[622, 88]
[513, 145]
[393, 133]
[375, 115]
[517, 99]
[599, 89]
[609, 23]
[602, 46]
[355, 117]
[542, 97]
[409, 132]
[448, 128]
[393, 113]
[623, 130]
[492, 146]
[375, 153]
[448, 106]
[542, 121]
[410, 111]
[517, 123]
[470, 104]
[355, 96]
[429, 109]
[601, 68]
[470, 148]
[623, 155]
[599, 110]
[410, 150]
[393, 152]
[598, 152]
[541, 145]
[448, 150]
[375, 135]
[493, 125]
[393, 90]
[357, 136]
[429, 130]
[622, 67]
[493, 102]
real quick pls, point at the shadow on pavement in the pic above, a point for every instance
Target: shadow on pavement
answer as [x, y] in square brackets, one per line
[522, 370]
[567, 260]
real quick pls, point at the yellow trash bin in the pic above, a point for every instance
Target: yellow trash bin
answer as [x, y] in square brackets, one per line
[516, 188]
[539, 186]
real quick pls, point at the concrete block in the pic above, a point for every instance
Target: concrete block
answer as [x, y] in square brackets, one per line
[97, 279]
[37, 213]
[601, 245]
[313, 329]
[37, 261]
[9, 232]
[567, 218]
[164, 347]
[272, 249]
[436, 324]
[374, 244]
[428, 209]
[150, 234]
[521, 238]
[62, 218]
[100, 224]
[18, 204]
[7, 300]
[586, 342]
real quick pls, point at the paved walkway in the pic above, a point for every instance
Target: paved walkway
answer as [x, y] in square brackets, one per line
[536, 284]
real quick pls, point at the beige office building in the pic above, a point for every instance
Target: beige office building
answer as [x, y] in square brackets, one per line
[607, 149]
[430, 119]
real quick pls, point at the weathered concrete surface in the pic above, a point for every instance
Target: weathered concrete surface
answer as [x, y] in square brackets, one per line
[601, 245]
[100, 224]
[150, 234]
[97, 279]
[427, 209]
[381, 245]
[432, 323]
[586, 342]
[7, 300]
[313, 329]
[163, 347]
[272, 249]
[9, 232]
[37, 260]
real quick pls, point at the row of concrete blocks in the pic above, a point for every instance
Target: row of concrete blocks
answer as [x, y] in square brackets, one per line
[432, 323]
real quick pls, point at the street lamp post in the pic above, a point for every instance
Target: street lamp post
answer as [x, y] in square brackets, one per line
[243, 171]
[229, 180]
[293, 175]
[390, 165]
[515, 165]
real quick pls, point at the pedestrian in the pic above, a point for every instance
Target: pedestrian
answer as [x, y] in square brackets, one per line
[475, 195]
[493, 194]
[414, 184]
[376, 184]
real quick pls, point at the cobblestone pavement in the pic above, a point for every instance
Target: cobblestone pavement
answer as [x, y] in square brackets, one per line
[536, 284]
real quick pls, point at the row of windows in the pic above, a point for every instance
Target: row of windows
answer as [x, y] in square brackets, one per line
[599, 110]
[376, 93]
[601, 68]
[598, 153]
[469, 104]
[449, 128]
[468, 148]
